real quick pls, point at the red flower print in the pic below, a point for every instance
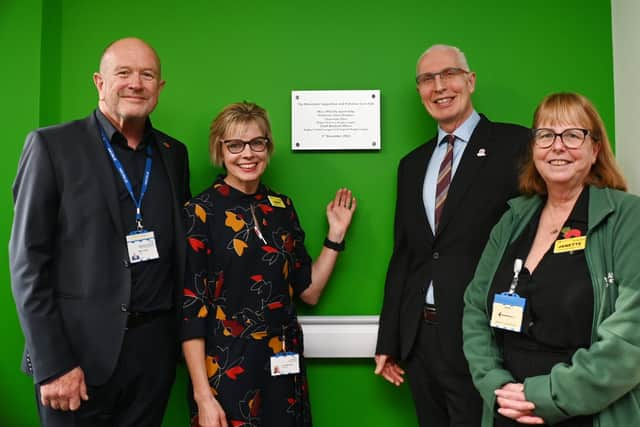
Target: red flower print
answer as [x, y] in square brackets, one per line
[265, 208]
[196, 244]
[223, 189]
[234, 372]
[274, 305]
[288, 242]
[254, 405]
[219, 284]
[234, 327]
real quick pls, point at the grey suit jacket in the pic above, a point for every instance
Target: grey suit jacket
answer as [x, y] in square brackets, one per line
[68, 255]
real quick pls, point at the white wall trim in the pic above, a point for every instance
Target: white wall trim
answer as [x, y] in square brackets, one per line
[339, 336]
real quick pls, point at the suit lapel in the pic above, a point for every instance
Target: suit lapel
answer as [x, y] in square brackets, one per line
[417, 181]
[103, 170]
[473, 160]
[164, 147]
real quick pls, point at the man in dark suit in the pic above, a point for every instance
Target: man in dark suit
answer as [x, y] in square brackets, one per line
[96, 252]
[451, 191]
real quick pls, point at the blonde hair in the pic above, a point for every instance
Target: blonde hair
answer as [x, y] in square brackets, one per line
[573, 108]
[237, 114]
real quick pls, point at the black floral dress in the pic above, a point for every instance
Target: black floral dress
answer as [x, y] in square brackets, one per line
[246, 261]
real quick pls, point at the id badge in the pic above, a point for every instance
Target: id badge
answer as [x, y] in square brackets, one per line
[508, 310]
[285, 364]
[142, 246]
[570, 245]
[276, 201]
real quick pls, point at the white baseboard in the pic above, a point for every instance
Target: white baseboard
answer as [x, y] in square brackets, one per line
[339, 336]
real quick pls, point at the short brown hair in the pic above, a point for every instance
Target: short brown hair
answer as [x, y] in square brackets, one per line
[563, 108]
[239, 113]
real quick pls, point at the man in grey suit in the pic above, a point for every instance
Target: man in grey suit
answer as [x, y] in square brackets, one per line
[451, 191]
[97, 253]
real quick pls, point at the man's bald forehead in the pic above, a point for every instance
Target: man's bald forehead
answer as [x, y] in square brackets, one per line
[127, 42]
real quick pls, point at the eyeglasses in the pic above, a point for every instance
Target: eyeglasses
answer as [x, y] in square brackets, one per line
[572, 138]
[429, 79]
[236, 146]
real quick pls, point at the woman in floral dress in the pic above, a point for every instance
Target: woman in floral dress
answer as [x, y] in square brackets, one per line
[246, 263]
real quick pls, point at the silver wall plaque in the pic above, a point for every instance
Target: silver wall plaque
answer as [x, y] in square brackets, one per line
[335, 120]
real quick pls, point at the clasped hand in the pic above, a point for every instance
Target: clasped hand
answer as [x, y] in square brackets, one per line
[512, 403]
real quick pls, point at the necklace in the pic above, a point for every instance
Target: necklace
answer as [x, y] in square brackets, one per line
[555, 224]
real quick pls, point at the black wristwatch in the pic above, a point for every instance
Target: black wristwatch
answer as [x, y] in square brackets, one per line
[338, 247]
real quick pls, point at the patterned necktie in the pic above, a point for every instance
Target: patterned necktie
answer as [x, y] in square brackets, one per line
[444, 179]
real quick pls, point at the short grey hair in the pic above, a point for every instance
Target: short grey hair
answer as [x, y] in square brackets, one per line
[462, 59]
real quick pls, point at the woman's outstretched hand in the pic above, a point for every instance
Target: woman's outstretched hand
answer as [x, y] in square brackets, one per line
[339, 213]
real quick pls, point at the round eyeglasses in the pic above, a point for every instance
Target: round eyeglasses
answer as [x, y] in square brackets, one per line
[572, 138]
[236, 146]
[429, 79]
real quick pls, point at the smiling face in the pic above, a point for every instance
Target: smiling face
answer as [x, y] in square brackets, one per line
[129, 82]
[447, 101]
[245, 168]
[564, 169]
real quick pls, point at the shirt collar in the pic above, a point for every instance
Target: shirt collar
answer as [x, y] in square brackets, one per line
[464, 131]
[117, 138]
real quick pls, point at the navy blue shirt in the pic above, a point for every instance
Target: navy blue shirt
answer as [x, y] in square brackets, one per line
[152, 282]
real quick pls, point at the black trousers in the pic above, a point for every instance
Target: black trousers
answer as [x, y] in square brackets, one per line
[138, 391]
[443, 396]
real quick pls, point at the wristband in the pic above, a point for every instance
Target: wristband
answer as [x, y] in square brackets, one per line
[338, 247]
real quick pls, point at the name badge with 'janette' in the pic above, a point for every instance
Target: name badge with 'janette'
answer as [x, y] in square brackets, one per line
[570, 245]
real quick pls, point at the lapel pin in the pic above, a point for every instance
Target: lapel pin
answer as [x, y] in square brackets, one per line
[481, 153]
[166, 144]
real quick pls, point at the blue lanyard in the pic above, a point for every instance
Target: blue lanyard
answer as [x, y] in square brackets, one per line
[125, 178]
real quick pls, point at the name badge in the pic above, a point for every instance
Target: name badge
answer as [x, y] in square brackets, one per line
[508, 310]
[570, 245]
[276, 201]
[142, 246]
[285, 364]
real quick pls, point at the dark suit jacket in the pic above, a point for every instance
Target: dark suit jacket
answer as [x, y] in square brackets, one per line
[476, 199]
[68, 255]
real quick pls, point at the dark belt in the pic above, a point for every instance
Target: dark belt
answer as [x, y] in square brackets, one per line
[430, 314]
[136, 319]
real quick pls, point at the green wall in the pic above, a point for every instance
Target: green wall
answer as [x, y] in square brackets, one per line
[20, 50]
[218, 52]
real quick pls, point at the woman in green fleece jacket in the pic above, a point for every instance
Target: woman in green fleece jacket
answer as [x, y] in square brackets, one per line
[552, 316]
